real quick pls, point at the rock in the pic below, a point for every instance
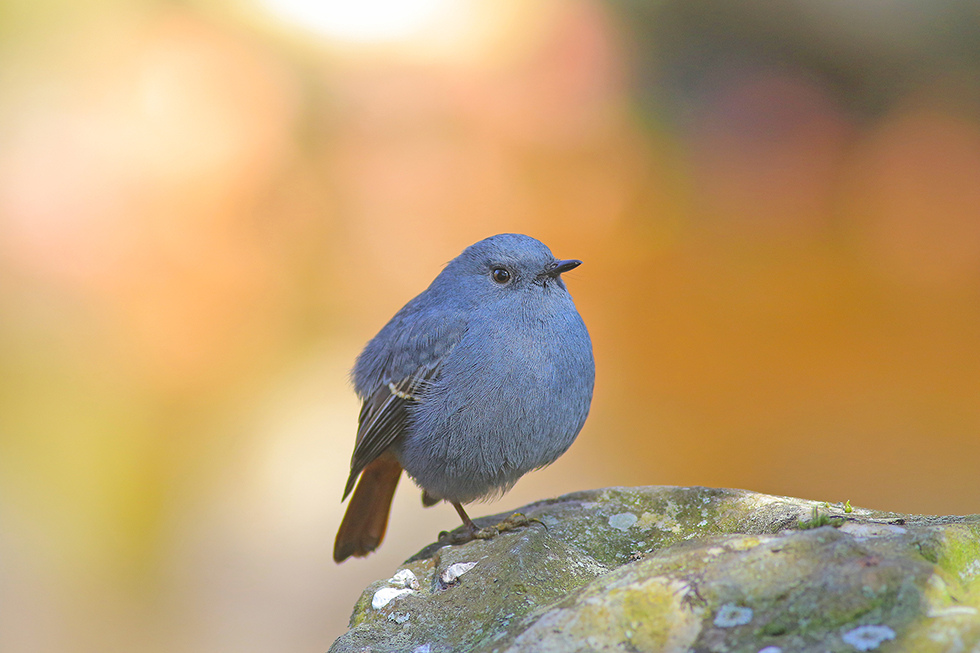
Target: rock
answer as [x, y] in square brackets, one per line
[682, 569]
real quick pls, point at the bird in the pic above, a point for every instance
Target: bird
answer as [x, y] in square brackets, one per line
[484, 376]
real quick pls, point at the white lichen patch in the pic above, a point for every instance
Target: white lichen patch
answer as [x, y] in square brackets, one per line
[386, 595]
[868, 638]
[399, 617]
[937, 584]
[454, 571]
[623, 521]
[404, 578]
[587, 564]
[970, 571]
[952, 611]
[731, 615]
[650, 520]
[862, 531]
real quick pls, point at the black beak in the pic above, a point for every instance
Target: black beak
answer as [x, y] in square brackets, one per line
[558, 267]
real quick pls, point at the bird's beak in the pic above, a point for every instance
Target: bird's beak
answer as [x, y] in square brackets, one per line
[559, 267]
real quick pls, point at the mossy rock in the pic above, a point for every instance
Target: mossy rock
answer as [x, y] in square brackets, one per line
[685, 569]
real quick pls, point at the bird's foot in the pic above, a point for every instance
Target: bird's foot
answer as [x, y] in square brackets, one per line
[487, 533]
[517, 520]
[512, 523]
[464, 535]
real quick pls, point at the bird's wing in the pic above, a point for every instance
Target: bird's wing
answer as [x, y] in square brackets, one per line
[383, 417]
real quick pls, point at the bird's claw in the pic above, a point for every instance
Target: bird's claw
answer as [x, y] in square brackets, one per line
[518, 520]
[487, 533]
[512, 523]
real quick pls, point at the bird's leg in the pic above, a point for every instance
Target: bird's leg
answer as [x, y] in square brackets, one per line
[473, 531]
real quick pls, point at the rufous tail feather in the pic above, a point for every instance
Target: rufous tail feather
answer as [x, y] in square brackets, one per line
[366, 518]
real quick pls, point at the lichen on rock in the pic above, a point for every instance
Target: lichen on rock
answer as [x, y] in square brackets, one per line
[680, 569]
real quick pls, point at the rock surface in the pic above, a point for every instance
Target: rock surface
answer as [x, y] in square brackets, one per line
[685, 569]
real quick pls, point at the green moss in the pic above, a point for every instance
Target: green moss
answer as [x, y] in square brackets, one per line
[818, 519]
[959, 556]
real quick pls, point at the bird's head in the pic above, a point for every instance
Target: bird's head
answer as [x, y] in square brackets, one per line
[509, 263]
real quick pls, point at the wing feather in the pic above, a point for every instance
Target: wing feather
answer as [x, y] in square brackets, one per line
[384, 416]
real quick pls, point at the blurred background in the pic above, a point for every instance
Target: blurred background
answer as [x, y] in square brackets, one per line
[207, 207]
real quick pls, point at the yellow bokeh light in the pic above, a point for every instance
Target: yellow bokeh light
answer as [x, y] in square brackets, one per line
[365, 21]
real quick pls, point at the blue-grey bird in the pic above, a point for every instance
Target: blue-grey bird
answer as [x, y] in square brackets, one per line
[483, 377]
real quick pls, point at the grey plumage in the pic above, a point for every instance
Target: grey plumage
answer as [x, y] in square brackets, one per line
[484, 376]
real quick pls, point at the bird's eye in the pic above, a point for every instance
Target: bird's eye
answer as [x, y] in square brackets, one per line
[500, 275]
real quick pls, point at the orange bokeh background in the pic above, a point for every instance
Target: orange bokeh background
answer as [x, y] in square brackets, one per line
[205, 211]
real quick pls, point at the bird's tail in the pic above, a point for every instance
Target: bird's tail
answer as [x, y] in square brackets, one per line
[366, 518]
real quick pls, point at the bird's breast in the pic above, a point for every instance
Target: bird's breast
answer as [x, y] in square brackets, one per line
[512, 395]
